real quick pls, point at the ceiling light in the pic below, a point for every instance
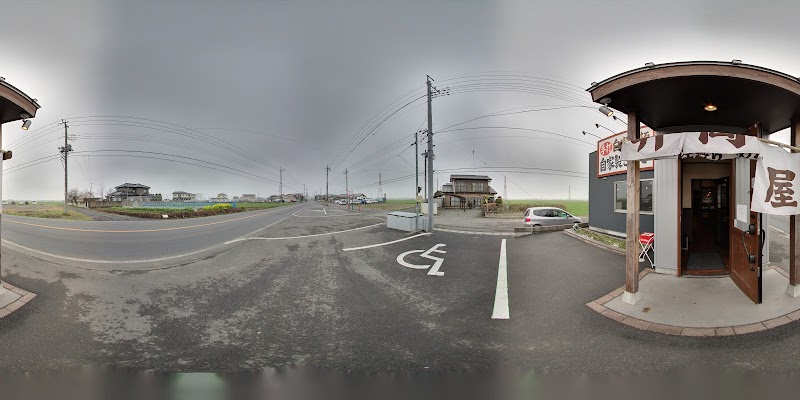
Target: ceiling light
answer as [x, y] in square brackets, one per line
[607, 111]
[26, 123]
[710, 107]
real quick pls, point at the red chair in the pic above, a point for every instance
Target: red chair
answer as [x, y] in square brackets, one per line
[647, 241]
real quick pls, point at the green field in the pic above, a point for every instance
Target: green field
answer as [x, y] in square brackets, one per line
[574, 207]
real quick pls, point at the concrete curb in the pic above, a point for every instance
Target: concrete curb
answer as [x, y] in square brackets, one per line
[24, 298]
[595, 243]
[475, 232]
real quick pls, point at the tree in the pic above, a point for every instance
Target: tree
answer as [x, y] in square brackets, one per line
[499, 200]
[73, 195]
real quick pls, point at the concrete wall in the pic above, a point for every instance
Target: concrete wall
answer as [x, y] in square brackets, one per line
[601, 201]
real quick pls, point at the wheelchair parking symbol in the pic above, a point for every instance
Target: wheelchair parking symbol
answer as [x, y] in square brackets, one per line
[437, 262]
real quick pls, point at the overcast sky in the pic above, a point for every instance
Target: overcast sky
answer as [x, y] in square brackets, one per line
[256, 86]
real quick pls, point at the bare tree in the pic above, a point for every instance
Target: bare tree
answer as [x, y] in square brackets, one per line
[101, 190]
[73, 195]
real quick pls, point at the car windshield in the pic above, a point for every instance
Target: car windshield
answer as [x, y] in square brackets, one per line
[500, 192]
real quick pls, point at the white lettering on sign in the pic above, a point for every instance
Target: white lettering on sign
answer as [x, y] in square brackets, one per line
[437, 261]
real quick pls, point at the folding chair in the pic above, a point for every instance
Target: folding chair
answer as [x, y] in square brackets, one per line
[647, 241]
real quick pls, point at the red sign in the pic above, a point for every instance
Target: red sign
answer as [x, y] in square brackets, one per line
[609, 154]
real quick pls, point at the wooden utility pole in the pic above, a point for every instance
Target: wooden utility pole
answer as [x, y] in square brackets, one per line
[327, 172]
[65, 151]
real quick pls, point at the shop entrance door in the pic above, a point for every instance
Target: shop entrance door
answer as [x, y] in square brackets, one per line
[746, 234]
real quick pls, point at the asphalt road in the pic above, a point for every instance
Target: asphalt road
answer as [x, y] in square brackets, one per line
[126, 245]
[301, 291]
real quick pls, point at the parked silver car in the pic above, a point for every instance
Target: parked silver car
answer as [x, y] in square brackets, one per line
[548, 216]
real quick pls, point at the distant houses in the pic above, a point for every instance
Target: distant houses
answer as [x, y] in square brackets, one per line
[221, 198]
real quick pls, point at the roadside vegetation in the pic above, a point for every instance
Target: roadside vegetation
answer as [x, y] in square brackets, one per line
[214, 209]
[602, 238]
[50, 210]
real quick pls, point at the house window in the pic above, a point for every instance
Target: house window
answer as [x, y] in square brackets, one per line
[461, 187]
[477, 186]
[645, 196]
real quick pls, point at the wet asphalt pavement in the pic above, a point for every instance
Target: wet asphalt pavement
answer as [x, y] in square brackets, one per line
[282, 300]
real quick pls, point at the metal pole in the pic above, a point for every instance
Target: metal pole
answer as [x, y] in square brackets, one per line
[347, 189]
[416, 184]
[430, 158]
[281, 183]
[327, 172]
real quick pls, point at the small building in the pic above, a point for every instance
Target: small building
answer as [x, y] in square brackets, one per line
[183, 196]
[467, 189]
[132, 192]
[248, 197]
[221, 198]
[698, 200]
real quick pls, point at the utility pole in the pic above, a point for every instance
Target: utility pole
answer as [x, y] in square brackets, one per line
[65, 151]
[347, 189]
[380, 185]
[416, 175]
[430, 155]
[425, 175]
[304, 192]
[505, 193]
[327, 172]
[281, 182]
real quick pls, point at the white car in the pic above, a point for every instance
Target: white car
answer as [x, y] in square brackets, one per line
[33, 202]
[548, 216]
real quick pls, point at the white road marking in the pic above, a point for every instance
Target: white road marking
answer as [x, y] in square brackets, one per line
[501, 310]
[779, 230]
[301, 237]
[401, 260]
[437, 261]
[325, 210]
[387, 243]
[86, 260]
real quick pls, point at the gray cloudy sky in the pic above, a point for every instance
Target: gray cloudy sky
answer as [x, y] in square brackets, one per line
[258, 85]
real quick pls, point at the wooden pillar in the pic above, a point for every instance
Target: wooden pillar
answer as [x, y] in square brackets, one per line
[794, 230]
[632, 295]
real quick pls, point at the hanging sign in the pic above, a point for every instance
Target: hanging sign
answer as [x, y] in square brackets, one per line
[777, 171]
[609, 155]
[777, 181]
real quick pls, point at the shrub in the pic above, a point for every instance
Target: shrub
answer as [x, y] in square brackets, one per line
[218, 207]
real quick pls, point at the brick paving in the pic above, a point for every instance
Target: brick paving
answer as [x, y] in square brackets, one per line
[24, 298]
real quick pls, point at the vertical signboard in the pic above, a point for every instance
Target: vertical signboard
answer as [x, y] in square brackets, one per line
[609, 154]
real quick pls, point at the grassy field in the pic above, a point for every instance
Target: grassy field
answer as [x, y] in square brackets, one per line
[391, 205]
[51, 210]
[574, 207]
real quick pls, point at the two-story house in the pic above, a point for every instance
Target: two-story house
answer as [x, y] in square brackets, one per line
[183, 196]
[469, 189]
[132, 192]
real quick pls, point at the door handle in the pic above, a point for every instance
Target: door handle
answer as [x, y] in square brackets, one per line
[751, 258]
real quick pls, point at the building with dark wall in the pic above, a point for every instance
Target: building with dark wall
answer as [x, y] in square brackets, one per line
[604, 214]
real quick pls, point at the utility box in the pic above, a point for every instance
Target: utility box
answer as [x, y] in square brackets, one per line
[423, 208]
[405, 221]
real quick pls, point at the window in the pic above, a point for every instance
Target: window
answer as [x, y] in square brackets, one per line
[477, 186]
[645, 196]
[461, 187]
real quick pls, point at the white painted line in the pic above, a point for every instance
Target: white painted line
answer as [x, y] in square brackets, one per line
[501, 293]
[779, 230]
[85, 260]
[325, 210]
[437, 261]
[387, 243]
[301, 237]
